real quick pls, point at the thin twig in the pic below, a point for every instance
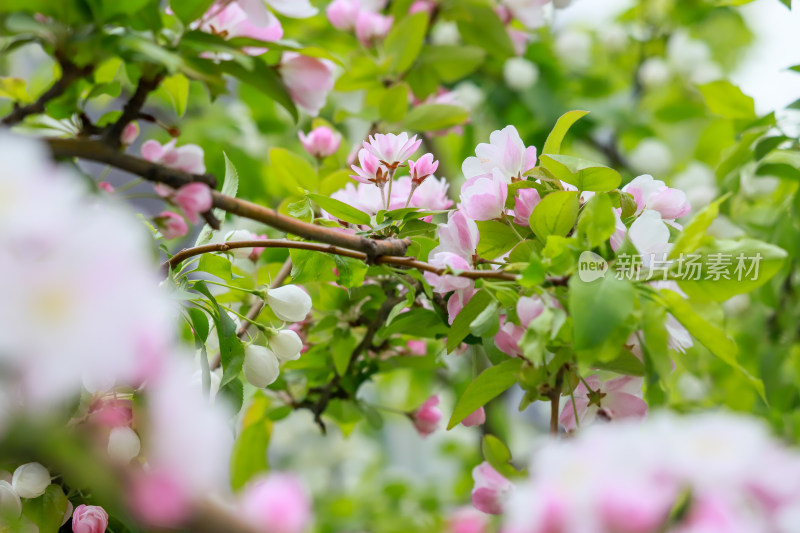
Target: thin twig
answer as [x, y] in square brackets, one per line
[132, 108]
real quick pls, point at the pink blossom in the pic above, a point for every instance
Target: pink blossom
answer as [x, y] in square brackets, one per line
[194, 198]
[129, 133]
[508, 336]
[371, 27]
[653, 194]
[188, 158]
[369, 170]
[459, 235]
[105, 186]
[528, 12]
[491, 489]
[505, 152]
[277, 503]
[650, 236]
[457, 301]
[426, 417]
[524, 203]
[432, 194]
[308, 80]
[484, 197]
[529, 308]
[422, 168]
[422, 6]
[342, 14]
[158, 499]
[111, 412]
[363, 196]
[257, 251]
[475, 419]
[89, 519]
[232, 21]
[417, 347]
[391, 149]
[467, 520]
[618, 398]
[257, 9]
[321, 141]
[631, 507]
[519, 39]
[446, 283]
[171, 224]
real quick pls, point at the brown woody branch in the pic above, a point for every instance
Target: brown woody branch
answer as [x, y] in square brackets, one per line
[132, 108]
[407, 262]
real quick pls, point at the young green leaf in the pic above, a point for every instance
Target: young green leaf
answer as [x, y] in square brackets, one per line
[553, 143]
[340, 210]
[555, 214]
[490, 384]
[598, 308]
[405, 40]
[461, 325]
[291, 170]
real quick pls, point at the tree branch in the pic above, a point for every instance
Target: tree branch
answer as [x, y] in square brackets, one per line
[408, 262]
[69, 73]
[132, 108]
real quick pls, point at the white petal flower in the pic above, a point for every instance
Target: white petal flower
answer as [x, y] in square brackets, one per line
[30, 480]
[289, 303]
[123, 444]
[261, 367]
[9, 500]
[286, 344]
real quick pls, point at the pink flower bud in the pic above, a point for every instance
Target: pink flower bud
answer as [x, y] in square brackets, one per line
[426, 417]
[171, 225]
[321, 141]
[342, 14]
[158, 499]
[308, 80]
[277, 503]
[475, 419]
[529, 308]
[371, 27]
[484, 197]
[89, 519]
[194, 198]
[422, 168]
[467, 520]
[508, 337]
[448, 282]
[188, 158]
[524, 203]
[416, 347]
[457, 301]
[111, 412]
[491, 489]
[653, 194]
[105, 186]
[129, 133]
[422, 5]
[370, 169]
[256, 252]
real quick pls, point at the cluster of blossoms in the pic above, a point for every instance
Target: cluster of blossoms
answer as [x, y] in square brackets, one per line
[710, 472]
[67, 258]
[361, 16]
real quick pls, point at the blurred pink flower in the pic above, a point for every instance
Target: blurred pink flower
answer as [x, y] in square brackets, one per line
[111, 411]
[89, 519]
[476, 418]
[426, 418]
[105, 186]
[372, 27]
[232, 21]
[467, 520]
[448, 282]
[277, 503]
[308, 80]
[171, 224]
[391, 149]
[188, 158]
[159, 499]
[417, 347]
[491, 489]
[653, 194]
[432, 194]
[618, 398]
[321, 141]
[484, 197]
[529, 308]
[457, 301]
[422, 5]
[342, 14]
[129, 133]
[508, 336]
[524, 203]
[193, 199]
[257, 10]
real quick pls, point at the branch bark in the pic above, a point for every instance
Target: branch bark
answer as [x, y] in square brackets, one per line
[132, 108]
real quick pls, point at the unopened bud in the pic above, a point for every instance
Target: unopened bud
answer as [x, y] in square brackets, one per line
[30, 480]
[9, 500]
[287, 345]
[289, 303]
[261, 367]
[123, 444]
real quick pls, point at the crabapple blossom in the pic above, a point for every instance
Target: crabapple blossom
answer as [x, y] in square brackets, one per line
[193, 199]
[467, 520]
[529, 308]
[261, 366]
[475, 418]
[277, 503]
[416, 347]
[129, 133]
[321, 141]
[431, 194]
[484, 197]
[459, 235]
[289, 303]
[593, 399]
[257, 10]
[520, 41]
[369, 169]
[239, 235]
[423, 167]
[371, 27]
[30, 480]
[392, 149]
[508, 336]
[342, 14]
[427, 416]
[505, 152]
[525, 200]
[491, 489]
[171, 225]
[123, 444]
[10, 504]
[419, 6]
[232, 21]
[458, 300]
[308, 80]
[653, 194]
[89, 519]
[286, 344]
[158, 498]
[528, 12]
[188, 158]
[448, 282]
[650, 235]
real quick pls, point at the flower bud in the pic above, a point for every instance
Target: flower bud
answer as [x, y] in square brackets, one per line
[426, 417]
[30, 480]
[342, 14]
[520, 74]
[529, 308]
[240, 235]
[422, 168]
[371, 27]
[524, 203]
[260, 366]
[476, 418]
[9, 500]
[289, 303]
[123, 444]
[286, 344]
[277, 503]
[321, 141]
[89, 519]
[171, 225]
[484, 197]
[194, 198]
[129, 133]
[491, 489]
[105, 187]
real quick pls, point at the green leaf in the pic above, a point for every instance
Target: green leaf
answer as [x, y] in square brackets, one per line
[199, 322]
[598, 308]
[405, 40]
[725, 99]
[585, 175]
[779, 170]
[555, 214]
[481, 26]
[490, 384]
[487, 323]
[597, 222]
[308, 266]
[625, 363]
[694, 232]
[352, 272]
[14, 88]
[301, 210]
[435, 117]
[452, 62]
[460, 327]
[230, 187]
[497, 454]
[341, 348]
[216, 265]
[177, 88]
[709, 335]
[394, 103]
[553, 143]
[291, 170]
[341, 210]
[265, 79]
[47, 511]
[418, 322]
[189, 10]
[496, 239]
[768, 144]
[249, 456]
